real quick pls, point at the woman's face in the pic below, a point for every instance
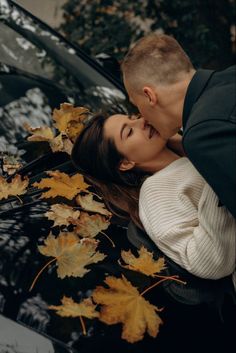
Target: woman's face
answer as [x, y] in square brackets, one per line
[135, 139]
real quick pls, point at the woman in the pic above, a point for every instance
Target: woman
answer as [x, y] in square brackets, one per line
[162, 192]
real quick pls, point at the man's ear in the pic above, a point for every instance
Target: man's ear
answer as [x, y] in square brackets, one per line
[126, 165]
[150, 94]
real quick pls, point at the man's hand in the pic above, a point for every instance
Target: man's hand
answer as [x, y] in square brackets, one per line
[175, 144]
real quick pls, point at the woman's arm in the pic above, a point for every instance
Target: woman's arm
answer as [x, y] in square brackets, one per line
[204, 246]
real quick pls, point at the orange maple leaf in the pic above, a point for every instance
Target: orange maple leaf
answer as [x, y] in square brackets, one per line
[16, 187]
[68, 113]
[89, 226]
[69, 308]
[10, 164]
[61, 143]
[61, 213]
[74, 129]
[61, 184]
[71, 253]
[144, 263]
[89, 204]
[41, 133]
[122, 303]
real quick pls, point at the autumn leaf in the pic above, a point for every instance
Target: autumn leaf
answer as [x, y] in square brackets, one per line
[71, 253]
[89, 204]
[66, 114]
[89, 226]
[74, 128]
[16, 187]
[60, 213]
[69, 308]
[10, 164]
[61, 184]
[122, 303]
[61, 143]
[144, 262]
[42, 133]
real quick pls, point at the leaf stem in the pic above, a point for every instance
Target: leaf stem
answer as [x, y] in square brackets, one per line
[39, 273]
[112, 243]
[93, 193]
[174, 278]
[157, 283]
[83, 325]
[19, 199]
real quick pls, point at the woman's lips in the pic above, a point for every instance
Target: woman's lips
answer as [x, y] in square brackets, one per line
[152, 131]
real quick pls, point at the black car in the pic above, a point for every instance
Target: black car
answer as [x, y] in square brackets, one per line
[39, 70]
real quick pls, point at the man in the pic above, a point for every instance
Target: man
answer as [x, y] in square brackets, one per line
[162, 82]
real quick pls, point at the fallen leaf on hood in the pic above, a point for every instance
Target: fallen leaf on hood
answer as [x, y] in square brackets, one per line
[122, 303]
[71, 253]
[59, 213]
[69, 308]
[42, 133]
[144, 262]
[61, 143]
[10, 164]
[16, 187]
[89, 204]
[61, 184]
[89, 226]
[74, 128]
[66, 114]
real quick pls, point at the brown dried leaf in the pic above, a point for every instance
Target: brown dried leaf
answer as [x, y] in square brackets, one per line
[42, 133]
[122, 303]
[72, 254]
[89, 204]
[16, 187]
[61, 143]
[89, 226]
[66, 114]
[74, 128]
[69, 308]
[59, 213]
[10, 164]
[144, 263]
[61, 184]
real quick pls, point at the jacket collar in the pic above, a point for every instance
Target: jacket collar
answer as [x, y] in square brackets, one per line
[195, 88]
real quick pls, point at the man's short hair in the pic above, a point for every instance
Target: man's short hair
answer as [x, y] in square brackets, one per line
[156, 59]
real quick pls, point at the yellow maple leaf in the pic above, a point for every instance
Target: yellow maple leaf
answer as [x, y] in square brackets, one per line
[59, 213]
[61, 143]
[42, 133]
[66, 114]
[10, 164]
[122, 303]
[69, 308]
[71, 253]
[74, 128]
[16, 187]
[89, 204]
[61, 184]
[144, 262]
[89, 226]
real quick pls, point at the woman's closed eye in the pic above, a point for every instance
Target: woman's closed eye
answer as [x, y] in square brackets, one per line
[130, 132]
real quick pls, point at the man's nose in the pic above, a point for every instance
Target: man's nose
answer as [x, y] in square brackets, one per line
[139, 123]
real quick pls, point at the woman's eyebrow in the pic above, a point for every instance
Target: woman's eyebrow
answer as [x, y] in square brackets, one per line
[122, 129]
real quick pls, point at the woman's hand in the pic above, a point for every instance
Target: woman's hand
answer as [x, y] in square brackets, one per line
[175, 144]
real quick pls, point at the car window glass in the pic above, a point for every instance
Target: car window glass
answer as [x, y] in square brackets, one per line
[18, 52]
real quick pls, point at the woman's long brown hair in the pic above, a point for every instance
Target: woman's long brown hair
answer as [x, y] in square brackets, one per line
[97, 158]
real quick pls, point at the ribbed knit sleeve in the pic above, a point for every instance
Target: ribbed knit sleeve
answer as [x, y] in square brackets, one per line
[180, 213]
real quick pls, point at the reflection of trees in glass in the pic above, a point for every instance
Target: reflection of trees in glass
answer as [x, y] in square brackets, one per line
[203, 26]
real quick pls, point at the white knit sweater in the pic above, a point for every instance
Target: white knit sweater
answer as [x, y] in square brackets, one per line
[180, 213]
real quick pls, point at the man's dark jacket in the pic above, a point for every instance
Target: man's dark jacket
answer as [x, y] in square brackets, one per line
[209, 131]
